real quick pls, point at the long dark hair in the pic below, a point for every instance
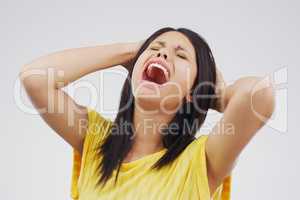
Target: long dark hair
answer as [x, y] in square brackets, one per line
[189, 117]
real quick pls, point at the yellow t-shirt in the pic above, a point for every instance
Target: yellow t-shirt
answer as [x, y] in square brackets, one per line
[183, 179]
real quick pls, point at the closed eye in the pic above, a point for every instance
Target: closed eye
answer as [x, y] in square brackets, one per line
[182, 56]
[154, 48]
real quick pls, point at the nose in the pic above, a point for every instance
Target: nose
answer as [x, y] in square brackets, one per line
[162, 54]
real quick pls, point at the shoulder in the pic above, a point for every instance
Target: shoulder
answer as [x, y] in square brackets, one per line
[96, 123]
[199, 165]
[96, 129]
[197, 154]
[198, 144]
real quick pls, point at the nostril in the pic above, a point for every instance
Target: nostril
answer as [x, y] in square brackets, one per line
[165, 56]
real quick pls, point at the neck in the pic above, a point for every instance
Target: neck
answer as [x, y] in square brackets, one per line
[147, 130]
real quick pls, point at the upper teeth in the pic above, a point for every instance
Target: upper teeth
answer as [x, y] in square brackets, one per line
[160, 67]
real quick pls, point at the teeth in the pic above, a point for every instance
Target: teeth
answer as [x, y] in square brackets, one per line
[160, 67]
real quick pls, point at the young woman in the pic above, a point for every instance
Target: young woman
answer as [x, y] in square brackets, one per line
[150, 150]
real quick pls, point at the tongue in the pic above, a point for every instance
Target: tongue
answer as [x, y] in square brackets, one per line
[156, 75]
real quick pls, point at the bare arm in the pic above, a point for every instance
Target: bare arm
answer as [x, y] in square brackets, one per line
[242, 103]
[61, 112]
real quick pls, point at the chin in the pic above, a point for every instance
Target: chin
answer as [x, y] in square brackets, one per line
[147, 101]
[156, 104]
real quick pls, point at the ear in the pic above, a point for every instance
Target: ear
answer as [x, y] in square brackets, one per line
[188, 97]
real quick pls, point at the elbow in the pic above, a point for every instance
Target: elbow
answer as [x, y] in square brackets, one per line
[269, 100]
[261, 93]
[31, 79]
[25, 77]
[263, 97]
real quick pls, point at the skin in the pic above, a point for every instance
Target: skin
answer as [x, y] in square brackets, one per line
[223, 145]
[150, 113]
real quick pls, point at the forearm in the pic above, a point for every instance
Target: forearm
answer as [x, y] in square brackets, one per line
[77, 62]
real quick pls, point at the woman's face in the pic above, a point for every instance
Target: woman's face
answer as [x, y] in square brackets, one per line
[164, 73]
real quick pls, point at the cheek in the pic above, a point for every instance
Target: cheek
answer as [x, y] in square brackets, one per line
[185, 76]
[137, 69]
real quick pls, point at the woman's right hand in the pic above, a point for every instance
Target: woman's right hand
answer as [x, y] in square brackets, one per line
[133, 48]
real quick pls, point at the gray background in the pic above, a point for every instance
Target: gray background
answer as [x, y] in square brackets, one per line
[247, 37]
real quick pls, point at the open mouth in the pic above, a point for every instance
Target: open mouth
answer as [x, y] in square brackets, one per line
[156, 73]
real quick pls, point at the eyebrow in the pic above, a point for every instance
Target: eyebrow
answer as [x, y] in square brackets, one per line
[162, 43]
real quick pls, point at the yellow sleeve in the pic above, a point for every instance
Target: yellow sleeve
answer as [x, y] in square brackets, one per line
[200, 168]
[97, 129]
